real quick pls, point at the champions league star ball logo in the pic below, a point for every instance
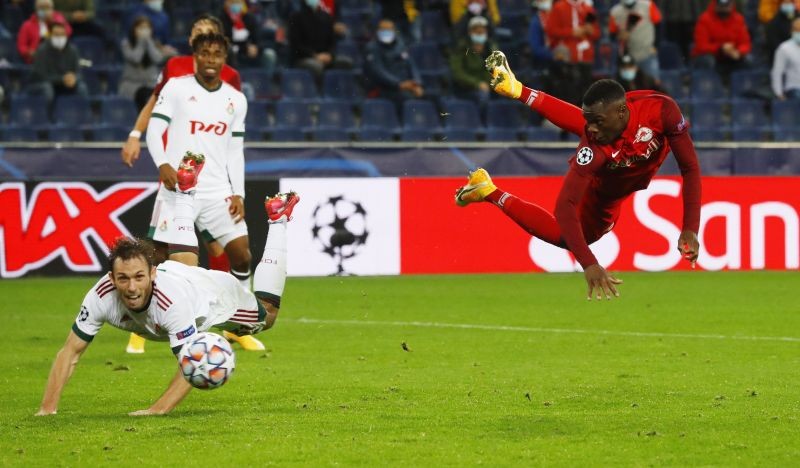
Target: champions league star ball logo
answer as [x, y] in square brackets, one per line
[584, 156]
[340, 227]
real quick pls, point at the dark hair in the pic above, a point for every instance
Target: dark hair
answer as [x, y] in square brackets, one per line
[210, 18]
[605, 91]
[133, 40]
[126, 248]
[56, 24]
[209, 38]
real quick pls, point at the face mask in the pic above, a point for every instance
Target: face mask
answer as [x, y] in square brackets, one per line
[478, 38]
[475, 8]
[796, 37]
[143, 33]
[787, 9]
[312, 3]
[543, 5]
[42, 14]
[235, 8]
[59, 42]
[628, 74]
[629, 3]
[386, 36]
[156, 5]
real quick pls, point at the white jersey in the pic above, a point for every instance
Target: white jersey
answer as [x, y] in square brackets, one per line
[209, 123]
[185, 300]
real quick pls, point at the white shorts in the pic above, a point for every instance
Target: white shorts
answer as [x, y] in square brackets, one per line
[211, 217]
[235, 309]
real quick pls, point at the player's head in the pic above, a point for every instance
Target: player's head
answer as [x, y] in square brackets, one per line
[605, 111]
[203, 24]
[210, 52]
[132, 271]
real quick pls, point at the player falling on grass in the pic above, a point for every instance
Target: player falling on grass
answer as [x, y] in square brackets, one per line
[173, 301]
[203, 114]
[176, 67]
[625, 138]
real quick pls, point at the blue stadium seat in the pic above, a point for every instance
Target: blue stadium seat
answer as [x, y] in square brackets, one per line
[91, 48]
[710, 134]
[28, 111]
[351, 51]
[707, 114]
[747, 83]
[287, 134]
[92, 80]
[261, 83]
[298, 83]
[110, 132]
[461, 134]
[111, 75]
[336, 114]
[118, 110]
[786, 114]
[19, 134]
[330, 134]
[670, 56]
[74, 111]
[786, 134]
[379, 113]
[375, 134]
[434, 27]
[292, 115]
[706, 84]
[420, 114]
[672, 83]
[499, 134]
[70, 134]
[749, 113]
[747, 133]
[460, 114]
[504, 114]
[341, 84]
[428, 57]
[417, 134]
[257, 118]
[8, 50]
[357, 24]
[543, 134]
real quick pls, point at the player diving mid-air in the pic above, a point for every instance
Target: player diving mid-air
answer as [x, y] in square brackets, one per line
[625, 137]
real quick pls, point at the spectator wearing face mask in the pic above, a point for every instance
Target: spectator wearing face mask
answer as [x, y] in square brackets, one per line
[37, 27]
[780, 27]
[142, 60]
[55, 70]
[767, 9]
[633, 23]
[467, 61]
[632, 77]
[462, 11]
[390, 68]
[154, 11]
[537, 33]
[786, 67]
[721, 38]
[405, 15]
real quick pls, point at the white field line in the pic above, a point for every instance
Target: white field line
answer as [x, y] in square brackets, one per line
[469, 326]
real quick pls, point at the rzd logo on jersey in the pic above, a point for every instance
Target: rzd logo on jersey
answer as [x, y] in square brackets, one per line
[218, 128]
[58, 220]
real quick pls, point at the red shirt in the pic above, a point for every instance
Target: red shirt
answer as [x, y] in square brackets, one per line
[611, 173]
[184, 65]
[711, 32]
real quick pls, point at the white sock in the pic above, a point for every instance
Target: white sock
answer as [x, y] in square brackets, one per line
[243, 277]
[270, 277]
[183, 226]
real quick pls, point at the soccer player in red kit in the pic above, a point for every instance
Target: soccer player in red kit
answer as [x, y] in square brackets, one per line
[625, 137]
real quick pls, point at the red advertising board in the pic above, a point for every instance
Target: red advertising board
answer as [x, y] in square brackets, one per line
[747, 223]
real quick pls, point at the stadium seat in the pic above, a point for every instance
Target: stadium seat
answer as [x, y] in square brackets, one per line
[417, 134]
[341, 84]
[504, 114]
[670, 56]
[351, 51]
[287, 134]
[8, 50]
[74, 111]
[330, 134]
[747, 83]
[673, 84]
[786, 114]
[434, 27]
[748, 133]
[706, 84]
[291, 115]
[461, 134]
[375, 134]
[357, 24]
[91, 48]
[543, 134]
[499, 134]
[28, 111]
[298, 83]
[711, 134]
[257, 118]
[461, 114]
[69, 134]
[786, 134]
[749, 113]
[428, 57]
[92, 80]
[420, 114]
[379, 113]
[19, 134]
[336, 114]
[111, 75]
[110, 132]
[118, 110]
[707, 114]
[261, 83]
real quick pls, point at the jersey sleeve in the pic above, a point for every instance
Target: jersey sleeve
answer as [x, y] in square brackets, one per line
[91, 316]
[178, 321]
[163, 78]
[165, 104]
[672, 120]
[235, 80]
[676, 131]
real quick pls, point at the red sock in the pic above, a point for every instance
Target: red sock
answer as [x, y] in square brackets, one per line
[534, 219]
[219, 262]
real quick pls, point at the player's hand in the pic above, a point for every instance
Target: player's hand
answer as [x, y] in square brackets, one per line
[689, 246]
[169, 176]
[236, 208]
[130, 151]
[43, 412]
[600, 282]
[503, 80]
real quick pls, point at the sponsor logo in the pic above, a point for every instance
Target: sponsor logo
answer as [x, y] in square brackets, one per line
[614, 154]
[218, 128]
[186, 333]
[584, 156]
[58, 220]
[192, 99]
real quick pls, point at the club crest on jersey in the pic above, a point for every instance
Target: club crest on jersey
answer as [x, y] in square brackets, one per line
[585, 156]
[229, 109]
[163, 226]
[643, 135]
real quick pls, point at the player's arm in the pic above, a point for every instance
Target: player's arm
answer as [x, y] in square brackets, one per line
[176, 391]
[676, 130]
[66, 360]
[132, 147]
[563, 114]
[236, 162]
[158, 124]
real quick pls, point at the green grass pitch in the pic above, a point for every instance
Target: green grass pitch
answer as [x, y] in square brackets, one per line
[502, 370]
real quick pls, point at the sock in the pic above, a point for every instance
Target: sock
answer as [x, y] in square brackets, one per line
[243, 277]
[534, 219]
[182, 236]
[219, 263]
[270, 277]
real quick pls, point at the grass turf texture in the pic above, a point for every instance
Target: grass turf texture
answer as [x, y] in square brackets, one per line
[342, 393]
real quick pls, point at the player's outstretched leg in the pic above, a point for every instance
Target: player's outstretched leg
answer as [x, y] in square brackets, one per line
[534, 219]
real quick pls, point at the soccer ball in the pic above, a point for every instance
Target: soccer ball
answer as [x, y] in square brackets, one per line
[207, 361]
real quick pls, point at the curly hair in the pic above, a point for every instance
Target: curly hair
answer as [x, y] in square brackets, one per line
[209, 38]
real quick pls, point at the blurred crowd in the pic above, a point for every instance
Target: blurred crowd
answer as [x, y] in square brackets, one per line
[314, 51]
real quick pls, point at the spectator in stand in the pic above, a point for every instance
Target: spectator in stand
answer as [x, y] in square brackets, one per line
[468, 69]
[241, 29]
[786, 68]
[312, 39]
[780, 27]
[767, 9]
[154, 10]
[55, 70]
[404, 15]
[721, 38]
[37, 27]
[390, 68]
[632, 77]
[462, 11]
[679, 22]
[80, 14]
[142, 61]
[573, 29]
[633, 23]
[537, 34]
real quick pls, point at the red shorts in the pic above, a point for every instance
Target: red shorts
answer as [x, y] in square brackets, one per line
[598, 215]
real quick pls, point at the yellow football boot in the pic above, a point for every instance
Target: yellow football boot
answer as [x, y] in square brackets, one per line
[478, 187]
[248, 342]
[135, 344]
[503, 80]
